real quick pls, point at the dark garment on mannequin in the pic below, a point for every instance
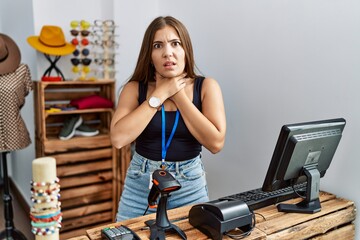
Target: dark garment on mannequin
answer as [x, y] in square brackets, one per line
[14, 87]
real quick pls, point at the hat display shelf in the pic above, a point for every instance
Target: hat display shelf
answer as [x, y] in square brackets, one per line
[81, 61]
[104, 42]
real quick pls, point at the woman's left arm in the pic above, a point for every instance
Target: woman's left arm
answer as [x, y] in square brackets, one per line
[208, 126]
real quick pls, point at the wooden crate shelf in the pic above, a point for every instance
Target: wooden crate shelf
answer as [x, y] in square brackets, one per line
[88, 167]
[55, 145]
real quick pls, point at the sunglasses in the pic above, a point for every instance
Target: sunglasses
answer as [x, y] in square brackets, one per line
[82, 24]
[104, 37]
[83, 61]
[104, 33]
[101, 73]
[83, 33]
[77, 69]
[106, 61]
[103, 54]
[84, 52]
[106, 43]
[105, 68]
[83, 42]
[104, 23]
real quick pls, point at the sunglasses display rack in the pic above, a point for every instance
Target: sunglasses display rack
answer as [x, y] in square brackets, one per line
[81, 56]
[104, 48]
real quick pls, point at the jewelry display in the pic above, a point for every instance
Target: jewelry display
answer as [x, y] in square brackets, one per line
[45, 213]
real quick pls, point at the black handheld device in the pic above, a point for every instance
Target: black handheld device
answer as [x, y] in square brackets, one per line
[163, 182]
[119, 233]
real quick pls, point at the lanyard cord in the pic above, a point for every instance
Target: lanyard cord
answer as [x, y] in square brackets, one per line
[164, 147]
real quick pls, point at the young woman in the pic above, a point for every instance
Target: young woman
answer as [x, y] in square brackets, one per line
[170, 112]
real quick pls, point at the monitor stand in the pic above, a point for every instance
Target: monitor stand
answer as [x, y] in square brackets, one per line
[312, 202]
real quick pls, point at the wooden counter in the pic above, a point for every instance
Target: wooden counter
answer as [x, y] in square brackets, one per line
[334, 221]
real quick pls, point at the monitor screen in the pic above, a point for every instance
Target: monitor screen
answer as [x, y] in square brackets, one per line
[303, 153]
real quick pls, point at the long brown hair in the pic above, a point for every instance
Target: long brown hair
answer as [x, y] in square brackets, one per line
[144, 71]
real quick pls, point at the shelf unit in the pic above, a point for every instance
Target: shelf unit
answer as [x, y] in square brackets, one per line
[88, 167]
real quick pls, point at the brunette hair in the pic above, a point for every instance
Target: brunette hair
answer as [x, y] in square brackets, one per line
[144, 70]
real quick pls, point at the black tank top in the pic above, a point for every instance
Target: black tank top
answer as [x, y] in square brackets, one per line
[183, 145]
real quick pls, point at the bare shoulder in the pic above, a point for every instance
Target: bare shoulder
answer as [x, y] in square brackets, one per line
[131, 86]
[129, 92]
[210, 84]
[128, 98]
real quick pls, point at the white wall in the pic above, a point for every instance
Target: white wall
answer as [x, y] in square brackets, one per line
[132, 17]
[277, 62]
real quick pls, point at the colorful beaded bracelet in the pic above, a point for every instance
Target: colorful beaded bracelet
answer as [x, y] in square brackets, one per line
[42, 192]
[39, 210]
[46, 200]
[46, 224]
[48, 215]
[51, 219]
[46, 218]
[45, 231]
[39, 184]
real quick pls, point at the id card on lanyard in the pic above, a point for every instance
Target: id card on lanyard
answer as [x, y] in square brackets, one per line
[164, 147]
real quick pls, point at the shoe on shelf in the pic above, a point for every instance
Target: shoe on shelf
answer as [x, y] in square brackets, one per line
[86, 131]
[69, 127]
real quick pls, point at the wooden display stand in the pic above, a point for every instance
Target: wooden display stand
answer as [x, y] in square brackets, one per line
[334, 221]
[89, 168]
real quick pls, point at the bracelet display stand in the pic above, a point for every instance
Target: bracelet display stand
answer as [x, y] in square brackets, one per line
[10, 232]
[45, 213]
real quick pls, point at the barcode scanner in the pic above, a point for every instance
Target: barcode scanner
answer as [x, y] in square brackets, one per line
[163, 184]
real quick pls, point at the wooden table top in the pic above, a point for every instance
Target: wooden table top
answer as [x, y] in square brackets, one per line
[270, 223]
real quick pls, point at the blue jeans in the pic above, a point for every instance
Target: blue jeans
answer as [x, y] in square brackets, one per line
[134, 198]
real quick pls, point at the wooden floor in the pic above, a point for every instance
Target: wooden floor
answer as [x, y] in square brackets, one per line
[21, 217]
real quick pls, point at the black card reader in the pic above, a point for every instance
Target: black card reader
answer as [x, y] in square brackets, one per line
[118, 233]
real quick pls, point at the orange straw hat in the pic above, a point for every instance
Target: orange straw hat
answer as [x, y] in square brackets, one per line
[51, 41]
[10, 56]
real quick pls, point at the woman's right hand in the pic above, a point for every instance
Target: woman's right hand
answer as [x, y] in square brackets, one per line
[167, 87]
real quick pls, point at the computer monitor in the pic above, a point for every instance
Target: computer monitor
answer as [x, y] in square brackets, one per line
[303, 153]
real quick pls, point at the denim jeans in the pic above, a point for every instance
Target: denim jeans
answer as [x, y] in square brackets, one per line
[134, 198]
